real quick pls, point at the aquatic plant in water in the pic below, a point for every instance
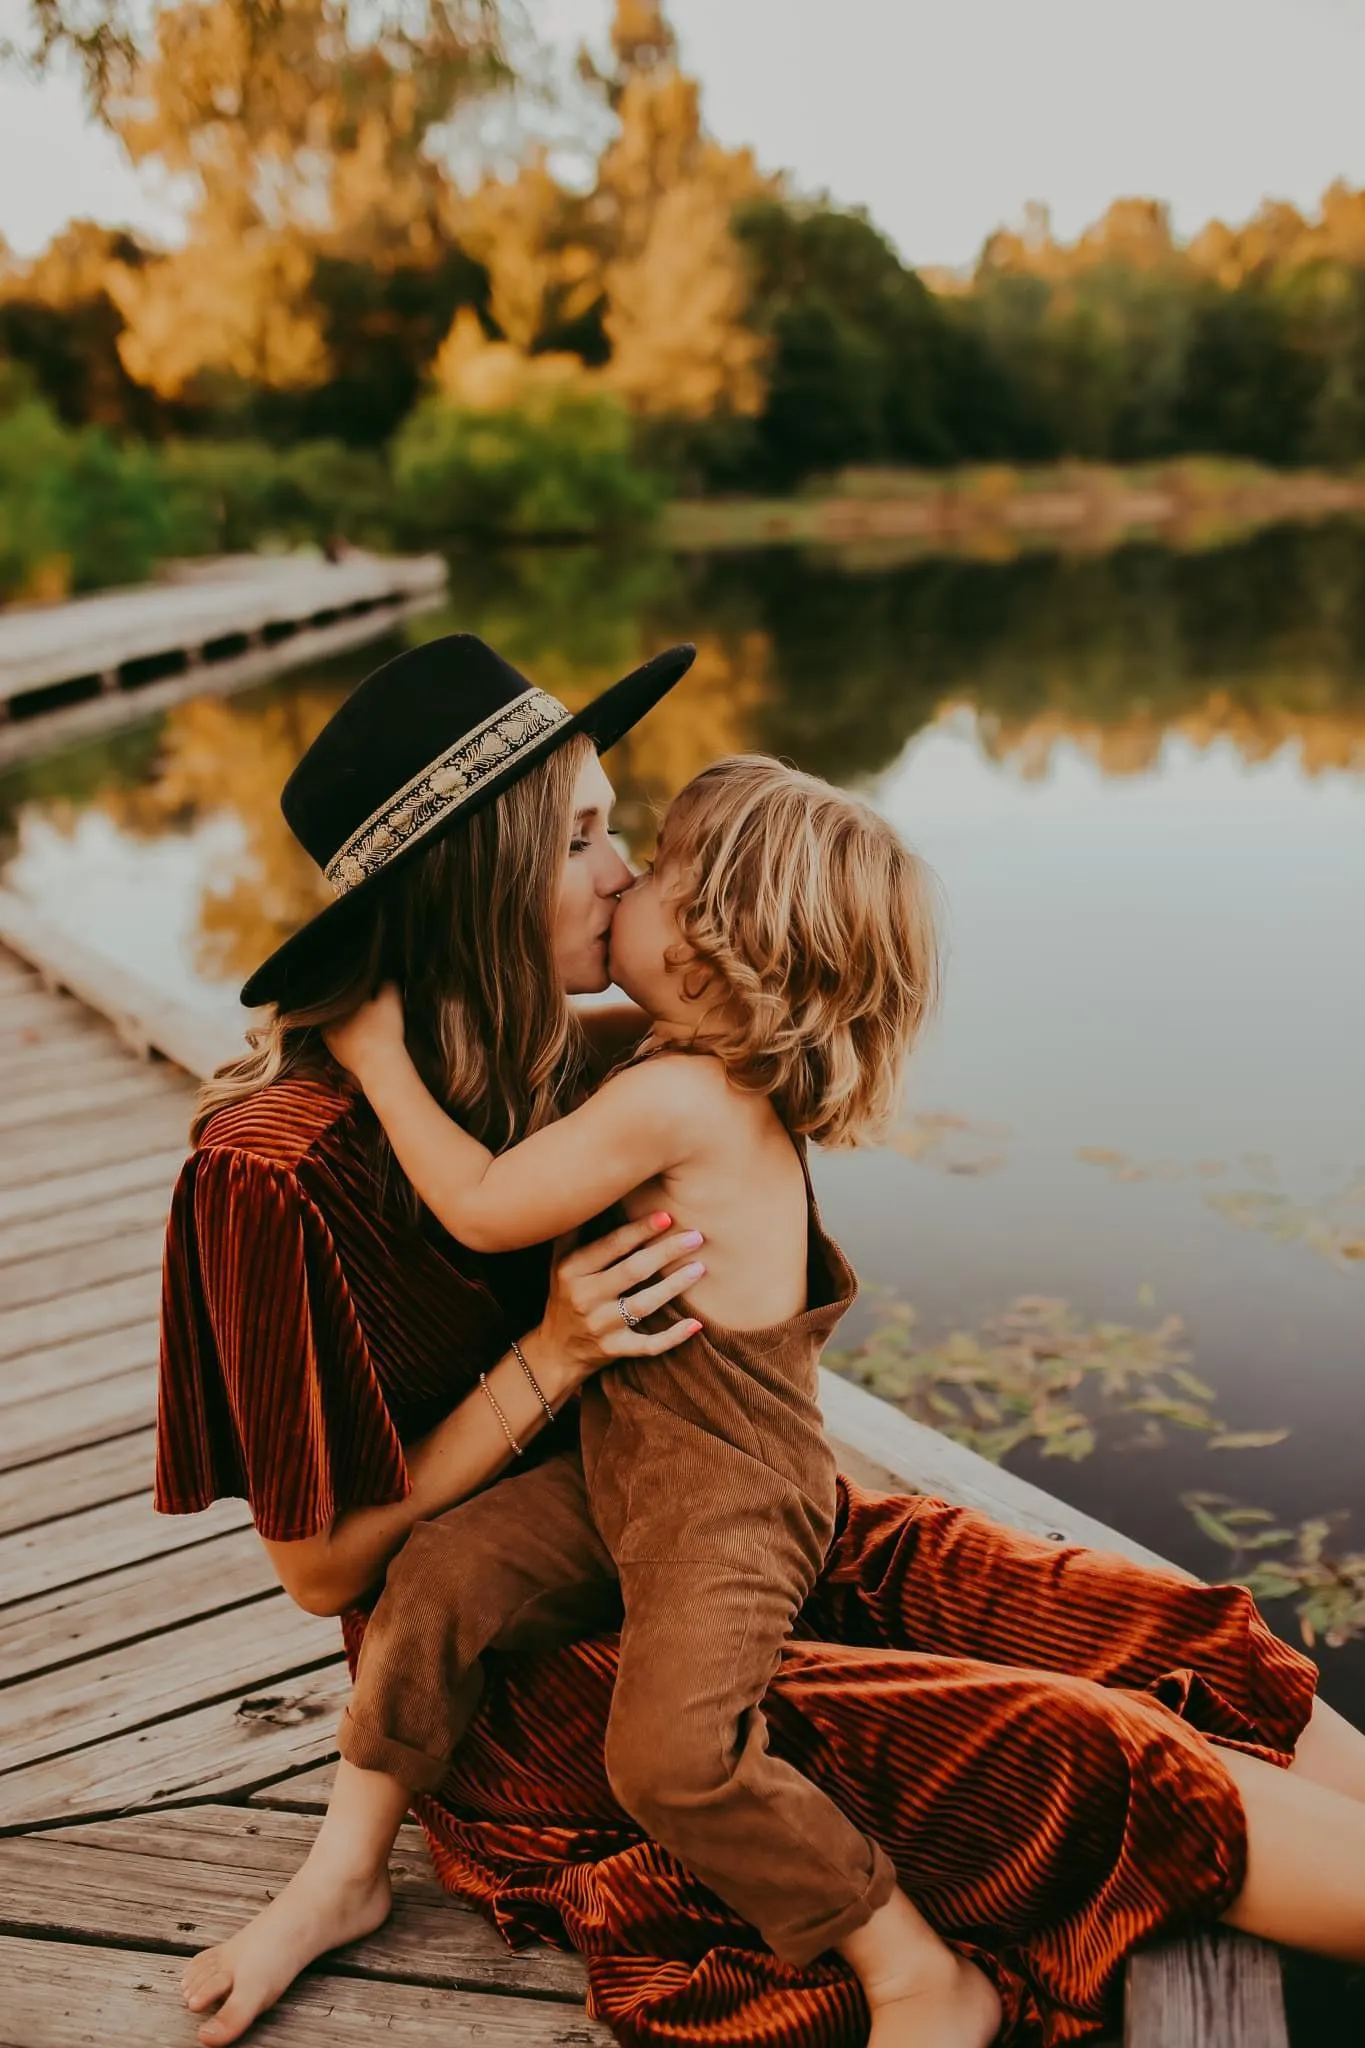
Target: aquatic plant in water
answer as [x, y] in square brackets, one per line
[1021, 1380]
[1327, 1586]
[1333, 1227]
[952, 1143]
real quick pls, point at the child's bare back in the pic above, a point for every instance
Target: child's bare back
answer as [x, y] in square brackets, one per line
[742, 1183]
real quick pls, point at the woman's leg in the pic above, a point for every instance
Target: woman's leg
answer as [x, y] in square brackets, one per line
[1305, 1877]
[915, 1573]
[1331, 1752]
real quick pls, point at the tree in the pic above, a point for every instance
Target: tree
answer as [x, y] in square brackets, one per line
[57, 317]
[304, 127]
[857, 345]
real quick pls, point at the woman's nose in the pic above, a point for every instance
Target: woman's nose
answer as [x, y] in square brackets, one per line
[614, 875]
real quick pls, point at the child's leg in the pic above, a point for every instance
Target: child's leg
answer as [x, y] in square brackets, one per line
[340, 1894]
[519, 1564]
[688, 1758]
[522, 1556]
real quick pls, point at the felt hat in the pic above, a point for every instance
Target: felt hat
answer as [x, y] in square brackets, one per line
[420, 746]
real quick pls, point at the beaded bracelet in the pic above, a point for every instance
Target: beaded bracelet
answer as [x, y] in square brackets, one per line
[493, 1404]
[536, 1388]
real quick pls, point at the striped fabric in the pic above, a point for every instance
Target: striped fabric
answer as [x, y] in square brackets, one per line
[1025, 1728]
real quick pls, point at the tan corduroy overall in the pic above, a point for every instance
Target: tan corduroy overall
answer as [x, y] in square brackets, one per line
[705, 1493]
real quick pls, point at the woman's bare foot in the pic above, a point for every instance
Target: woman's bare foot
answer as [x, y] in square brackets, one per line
[318, 1909]
[948, 2007]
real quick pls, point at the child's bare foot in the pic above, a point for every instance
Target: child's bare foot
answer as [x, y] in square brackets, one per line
[950, 2006]
[317, 1910]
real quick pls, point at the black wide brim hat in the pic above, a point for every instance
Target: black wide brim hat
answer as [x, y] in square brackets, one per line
[420, 746]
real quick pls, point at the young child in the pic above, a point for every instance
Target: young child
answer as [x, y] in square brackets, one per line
[783, 947]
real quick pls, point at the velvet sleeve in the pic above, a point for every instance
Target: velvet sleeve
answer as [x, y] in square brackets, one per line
[267, 1389]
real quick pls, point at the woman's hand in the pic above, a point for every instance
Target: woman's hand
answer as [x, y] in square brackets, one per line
[583, 1328]
[370, 1035]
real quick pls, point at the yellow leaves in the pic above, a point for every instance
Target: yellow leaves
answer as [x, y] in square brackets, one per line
[675, 315]
[492, 376]
[523, 231]
[231, 302]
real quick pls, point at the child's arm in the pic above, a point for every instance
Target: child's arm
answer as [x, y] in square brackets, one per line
[640, 1124]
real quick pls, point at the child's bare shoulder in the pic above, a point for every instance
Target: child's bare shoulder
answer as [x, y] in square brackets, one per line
[679, 1085]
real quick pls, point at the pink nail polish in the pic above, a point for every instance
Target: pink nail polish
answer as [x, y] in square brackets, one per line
[658, 1221]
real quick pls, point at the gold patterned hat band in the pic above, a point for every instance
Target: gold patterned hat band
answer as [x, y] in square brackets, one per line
[444, 786]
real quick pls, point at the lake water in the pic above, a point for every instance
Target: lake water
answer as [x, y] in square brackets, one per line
[1141, 779]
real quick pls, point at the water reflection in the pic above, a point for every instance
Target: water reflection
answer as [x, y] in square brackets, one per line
[1139, 776]
[1261, 645]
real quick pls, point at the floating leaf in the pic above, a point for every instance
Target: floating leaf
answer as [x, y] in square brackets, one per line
[1247, 1439]
[1216, 1530]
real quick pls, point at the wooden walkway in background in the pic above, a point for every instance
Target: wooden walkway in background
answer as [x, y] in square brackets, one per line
[167, 1714]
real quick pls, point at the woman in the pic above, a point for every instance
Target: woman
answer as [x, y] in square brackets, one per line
[1063, 1755]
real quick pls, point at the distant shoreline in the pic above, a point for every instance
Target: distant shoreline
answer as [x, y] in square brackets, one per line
[1001, 510]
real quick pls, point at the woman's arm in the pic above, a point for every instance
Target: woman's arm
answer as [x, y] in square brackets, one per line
[581, 1331]
[639, 1125]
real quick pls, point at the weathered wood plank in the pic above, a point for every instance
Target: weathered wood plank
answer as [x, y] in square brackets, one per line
[41, 1063]
[68, 1026]
[237, 1652]
[101, 1539]
[59, 1275]
[21, 1009]
[142, 1016]
[79, 1362]
[78, 1479]
[243, 595]
[68, 1995]
[140, 1601]
[90, 1183]
[108, 1140]
[185, 1879]
[1218, 1990]
[216, 1752]
[14, 974]
[90, 1224]
[42, 1326]
[49, 1424]
[125, 1084]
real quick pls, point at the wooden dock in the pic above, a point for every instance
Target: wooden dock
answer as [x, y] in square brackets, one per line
[167, 1714]
[69, 669]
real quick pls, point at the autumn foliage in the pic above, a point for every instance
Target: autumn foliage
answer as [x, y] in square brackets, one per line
[530, 350]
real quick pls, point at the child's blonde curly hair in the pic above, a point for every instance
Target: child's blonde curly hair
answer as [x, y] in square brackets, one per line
[812, 925]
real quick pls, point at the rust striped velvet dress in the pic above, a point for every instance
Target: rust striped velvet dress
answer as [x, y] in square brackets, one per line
[1025, 1728]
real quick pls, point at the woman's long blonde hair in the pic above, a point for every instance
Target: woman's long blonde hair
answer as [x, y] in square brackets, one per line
[810, 935]
[466, 929]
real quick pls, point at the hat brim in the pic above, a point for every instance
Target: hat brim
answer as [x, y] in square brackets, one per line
[605, 721]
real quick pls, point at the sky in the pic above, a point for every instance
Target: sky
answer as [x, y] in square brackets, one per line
[941, 117]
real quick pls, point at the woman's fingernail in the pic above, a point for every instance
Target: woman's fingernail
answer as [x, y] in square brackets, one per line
[692, 1237]
[658, 1221]
[694, 1326]
[694, 1272]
